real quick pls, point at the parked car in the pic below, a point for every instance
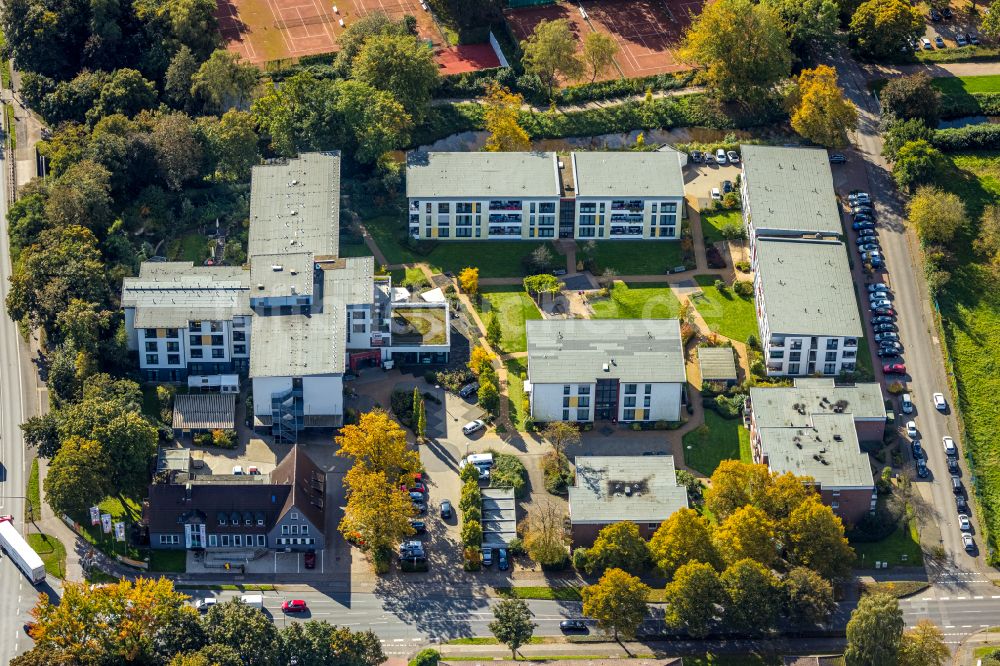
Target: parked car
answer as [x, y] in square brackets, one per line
[863, 224]
[973, 38]
[446, 510]
[720, 156]
[869, 247]
[938, 42]
[935, 15]
[879, 296]
[956, 485]
[418, 526]
[867, 233]
[837, 158]
[894, 369]
[961, 504]
[889, 337]
[949, 446]
[927, 44]
[865, 240]
[468, 390]
[237, 470]
[502, 563]
[967, 541]
[294, 606]
[887, 352]
[874, 258]
[734, 157]
[727, 186]
[881, 304]
[858, 195]
[416, 497]
[961, 40]
[939, 402]
[883, 312]
[922, 471]
[883, 319]
[473, 426]
[716, 194]
[946, 13]
[418, 487]
[916, 449]
[911, 429]
[204, 605]
[709, 158]
[862, 207]
[964, 523]
[885, 328]
[488, 557]
[877, 286]
[567, 626]
[952, 465]
[420, 508]
[906, 403]
[697, 156]
[309, 559]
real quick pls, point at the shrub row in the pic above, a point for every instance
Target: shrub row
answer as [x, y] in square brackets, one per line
[970, 104]
[508, 472]
[972, 137]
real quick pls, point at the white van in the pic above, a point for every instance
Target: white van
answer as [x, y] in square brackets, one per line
[480, 459]
[253, 600]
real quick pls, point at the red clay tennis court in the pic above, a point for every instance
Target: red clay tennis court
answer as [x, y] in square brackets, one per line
[647, 31]
[269, 30]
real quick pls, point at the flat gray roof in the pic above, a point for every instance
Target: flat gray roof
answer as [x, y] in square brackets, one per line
[827, 450]
[808, 288]
[295, 206]
[794, 405]
[790, 190]
[204, 411]
[584, 350]
[609, 489]
[717, 363]
[499, 517]
[628, 174]
[171, 294]
[473, 175]
[276, 275]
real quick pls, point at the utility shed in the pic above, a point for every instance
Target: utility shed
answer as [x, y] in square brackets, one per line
[197, 412]
[717, 364]
[499, 517]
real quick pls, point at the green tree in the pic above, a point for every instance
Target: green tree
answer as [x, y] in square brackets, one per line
[618, 602]
[177, 149]
[377, 510]
[377, 121]
[246, 630]
[717, 40]
[694, 599]
[512, 625]
[400, 65]
[543, 283]
[127, 93]
[545, 533]
[808, 597]
[378, 444]
[820, 112]
[916, 163]
[501, 118]
[811, 25]
[193, 24]
[814, 538]
[881, 28]
[81, 196]
[223, 82]
[550, 54]
[231, 144]
[494, 334]
[177, 84]
[415, 406]
[874, 632]
[472, 533]
[936, 215]
[599, 51]
[82, 324]
[77, 477]
[682, 538]
[924, 646]
[753, 597]
[901, 132]
[989, 25]
[619, 546]
[489, 396]
[358, 32]
[912, 97]
[422, 419]
[42, 432]
[987, 243]
[561, 434]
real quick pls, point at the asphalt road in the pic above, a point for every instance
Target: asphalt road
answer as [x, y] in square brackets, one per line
[16, 594]
[922, 346]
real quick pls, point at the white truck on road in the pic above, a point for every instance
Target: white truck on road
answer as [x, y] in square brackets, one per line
[20, 553]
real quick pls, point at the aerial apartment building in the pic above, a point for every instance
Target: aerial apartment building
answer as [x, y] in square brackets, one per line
[605, 370]
[541, 195]
[311, 314]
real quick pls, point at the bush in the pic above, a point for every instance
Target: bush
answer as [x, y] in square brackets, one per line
[472, 497]
[971, 137]
[692, 484]
[472, 533]
[508, 472]
[426, 657]
[743, 288]
[581, 560]
[381, 558]
[202, 439]
[453, 380]
[757, 369]
[896, 388]
[401, 404]
[743, 267]
[469, 473]
[721, 286]
[516, 547]
[728, 407]
[431, 377]
[472, 559]
[224, 439]
[731, 200]
[557, 472]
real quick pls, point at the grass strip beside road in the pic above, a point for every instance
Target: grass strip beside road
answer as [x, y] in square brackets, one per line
[33, 493]
[229, 588]
[545, 593]
[896, 588]
[52, 551]
[900, 549]
[515, 390]
[11, 127]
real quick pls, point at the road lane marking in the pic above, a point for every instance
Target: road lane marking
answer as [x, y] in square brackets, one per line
[979, 597]
[944, 599]
[961, 598]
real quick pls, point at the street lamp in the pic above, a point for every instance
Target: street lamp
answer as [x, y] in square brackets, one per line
[31, 509]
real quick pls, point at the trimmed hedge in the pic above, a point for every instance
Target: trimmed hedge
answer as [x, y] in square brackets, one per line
[972, 137]
[970, 104]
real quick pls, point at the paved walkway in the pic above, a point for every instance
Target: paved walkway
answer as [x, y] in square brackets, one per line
[932, 69]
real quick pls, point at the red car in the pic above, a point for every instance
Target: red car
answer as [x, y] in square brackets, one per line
[894, 369]
[418, 487]
[294, 606]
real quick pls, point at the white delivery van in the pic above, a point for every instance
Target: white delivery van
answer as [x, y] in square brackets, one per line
[253, 600]
[480, 459]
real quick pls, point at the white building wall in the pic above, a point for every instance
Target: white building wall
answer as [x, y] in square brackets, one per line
[428, 218]
[132, 341]
[263, 389]
[664, 224]
[664, 402]
[547, 402]
[323, 395]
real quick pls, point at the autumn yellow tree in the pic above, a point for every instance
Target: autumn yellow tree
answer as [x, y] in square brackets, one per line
[378, 512]
[377, 444]
[479, 359]
[820, 112]
[682, 538]
[747, 533]
[617, 602]
[468, 280]
[814, 538]
[924, 646]
[599, 51]
[501, 115]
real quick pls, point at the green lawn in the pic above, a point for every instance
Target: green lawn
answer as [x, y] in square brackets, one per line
[863, 368]
[52, 552]
[725, 313]
[563, 593]
[33, 507]
[515, 390]
[712, 224]
[956, 85]
[642, 300]
[892, 549]
[492, 258]
[970, 313]
[513, 306]
[354, 250]
[128, 511]
[645, 257]
[172, 561]
[720, 439]
[896, 588]
[191, 247]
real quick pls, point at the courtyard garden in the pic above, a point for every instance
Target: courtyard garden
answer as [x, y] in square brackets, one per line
[717, 440]
[716, 226]
[512, 306]
[725, 312]
[640, 300]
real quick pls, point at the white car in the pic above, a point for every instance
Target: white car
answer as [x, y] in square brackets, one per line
[237, 470]
[907, 403]
[720, 156]
[473, 426]
[939, 402]
[878, 286]
[967, 541]
[963, 523]
[949, 446]
[887, 337]
[878, 296]
[881, 304]
[734, 157]
[911, 429]
[716, 194]
[203, 605]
